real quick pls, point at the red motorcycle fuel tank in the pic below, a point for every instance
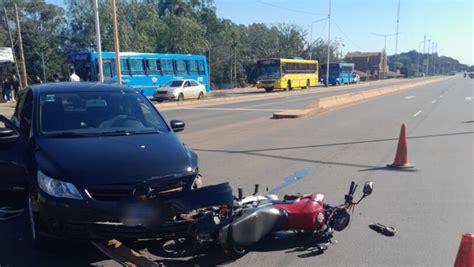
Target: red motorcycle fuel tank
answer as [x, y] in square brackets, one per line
[306, 213]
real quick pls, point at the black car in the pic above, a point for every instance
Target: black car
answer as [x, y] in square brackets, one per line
[75, 150]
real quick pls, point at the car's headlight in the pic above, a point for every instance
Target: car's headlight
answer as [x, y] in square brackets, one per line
[57, 188]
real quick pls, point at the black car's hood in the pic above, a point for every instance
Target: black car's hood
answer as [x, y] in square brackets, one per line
[114, 159]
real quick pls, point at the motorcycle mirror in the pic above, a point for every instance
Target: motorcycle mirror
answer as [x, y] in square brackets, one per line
[368, 187]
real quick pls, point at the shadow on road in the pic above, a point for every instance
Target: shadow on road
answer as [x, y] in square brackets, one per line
[255, 152]
[16, 248]
[290, 242]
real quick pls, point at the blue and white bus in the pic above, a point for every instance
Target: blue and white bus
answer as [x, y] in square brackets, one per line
[339, 73]
[142, 71]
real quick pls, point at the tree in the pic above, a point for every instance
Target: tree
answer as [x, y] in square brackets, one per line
[42, 30]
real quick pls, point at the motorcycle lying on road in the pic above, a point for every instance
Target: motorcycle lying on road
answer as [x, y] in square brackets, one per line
[215, 217]
[255, 217]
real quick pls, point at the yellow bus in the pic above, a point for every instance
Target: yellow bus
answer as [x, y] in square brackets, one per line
[285, 73]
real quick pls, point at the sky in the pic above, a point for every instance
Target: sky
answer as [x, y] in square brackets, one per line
[449, 23]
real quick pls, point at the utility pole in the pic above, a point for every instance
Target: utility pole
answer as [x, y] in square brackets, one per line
[329, 44]
[22, 55]
[434, 58]
[428, 58]
[418, 62]
[424, 49]
[396, 34]
[99, 43]
[11, 42]
[116, 44]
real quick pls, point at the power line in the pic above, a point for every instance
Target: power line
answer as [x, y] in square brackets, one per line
[347, 36]
[290, 9]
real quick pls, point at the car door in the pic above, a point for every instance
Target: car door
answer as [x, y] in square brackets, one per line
[196, 88]
[187, 90]
[14, 152]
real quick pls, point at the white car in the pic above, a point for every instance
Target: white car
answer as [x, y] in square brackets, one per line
[355, 78]
[180, 90]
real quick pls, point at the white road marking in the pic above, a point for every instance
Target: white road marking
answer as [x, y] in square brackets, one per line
[410, 97]
[233, 109]
[434, 101]
[418, 113]
[441, 95]
[468, 98]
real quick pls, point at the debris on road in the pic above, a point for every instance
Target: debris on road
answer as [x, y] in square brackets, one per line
[382, 229]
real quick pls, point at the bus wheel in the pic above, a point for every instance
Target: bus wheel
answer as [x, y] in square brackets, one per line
[268, 90]
[307, 84]
[180, 97]
[288, 86]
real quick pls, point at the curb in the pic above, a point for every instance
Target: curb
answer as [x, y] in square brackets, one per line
[326, 103]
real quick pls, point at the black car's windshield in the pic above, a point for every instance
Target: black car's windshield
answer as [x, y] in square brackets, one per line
[174, 84]
[73, 114]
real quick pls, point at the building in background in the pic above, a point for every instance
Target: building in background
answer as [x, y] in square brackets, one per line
[373, 64]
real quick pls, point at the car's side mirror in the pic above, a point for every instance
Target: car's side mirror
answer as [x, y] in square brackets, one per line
[8, 132]
[368, 187]
[177, 125]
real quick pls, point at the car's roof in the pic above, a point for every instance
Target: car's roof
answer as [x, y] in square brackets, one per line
[63, 87]
[182, 80]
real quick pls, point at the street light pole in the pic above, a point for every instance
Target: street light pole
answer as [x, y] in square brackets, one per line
[398, 22]
[311, 36]
[116, 44]
[329, 44]
[98, 40]
[385, 39]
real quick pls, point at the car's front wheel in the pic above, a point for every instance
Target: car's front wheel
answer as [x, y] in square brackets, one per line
[201, 96]
[181, 97]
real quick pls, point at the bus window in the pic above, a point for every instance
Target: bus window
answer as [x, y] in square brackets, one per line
[136, 67]
[192, 67]
[158, 67]
[167, 67]
[124, 67]
[201, 69]
[150, 66]
[107, 68]
[180, 67]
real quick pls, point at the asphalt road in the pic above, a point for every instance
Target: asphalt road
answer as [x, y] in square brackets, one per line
[431, 206]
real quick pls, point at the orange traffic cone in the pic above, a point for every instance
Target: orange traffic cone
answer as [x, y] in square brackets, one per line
[401, 158]
[465, 257]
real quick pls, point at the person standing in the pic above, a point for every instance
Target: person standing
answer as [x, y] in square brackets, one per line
[6, 90]
[73, 76]
[56, 78]
[16, 87]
